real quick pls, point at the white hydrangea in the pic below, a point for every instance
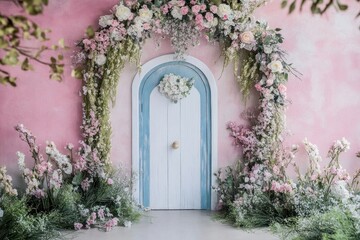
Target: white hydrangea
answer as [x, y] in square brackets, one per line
[145, 14]
[21, 160]
[176, 13]
[105, 20]
[175, 87]
[225, 10]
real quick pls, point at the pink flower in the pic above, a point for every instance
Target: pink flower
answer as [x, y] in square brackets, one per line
[193, 2]
[199, 18]
[110, 224]
[85, 184]
[165, 9]
[209, 16]
[146, 26]
[110, 181]
[282, 89]
[181, 3]
[184, 10]
[203, 7]
[196, 9]
[214, 8]
[101, 213]
[258, 87]
[77, 226]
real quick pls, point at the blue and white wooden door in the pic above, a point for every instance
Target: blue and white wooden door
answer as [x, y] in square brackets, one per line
[175, 144]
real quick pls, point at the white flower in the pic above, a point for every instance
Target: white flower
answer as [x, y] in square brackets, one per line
[127, 224]
[122, 13]
[224, 10]
[247, 37]
[21, 160]
[175, 87]
[275, 66]
[339, 190]
[100, 59]
[1, 213]
[176, 13]
[105, 20]
[145, 14]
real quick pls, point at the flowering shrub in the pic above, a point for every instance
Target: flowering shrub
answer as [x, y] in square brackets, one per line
[253, 194]
[175, 87]
[63, 191]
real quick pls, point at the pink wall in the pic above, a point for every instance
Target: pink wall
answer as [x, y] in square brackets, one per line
[325, 103]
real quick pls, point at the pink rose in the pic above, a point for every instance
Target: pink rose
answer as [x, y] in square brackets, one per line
[196, 9]
[199, 18]
[282, 88]
[203, 7]
[209, 16]
[184, 10]
[181, 3]
[214, 8]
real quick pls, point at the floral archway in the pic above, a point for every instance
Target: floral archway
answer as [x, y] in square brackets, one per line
[83, 193]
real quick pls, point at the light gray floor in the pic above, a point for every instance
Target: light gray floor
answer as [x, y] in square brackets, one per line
[176, 225]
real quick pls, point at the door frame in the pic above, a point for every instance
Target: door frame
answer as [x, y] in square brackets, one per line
[146, 68]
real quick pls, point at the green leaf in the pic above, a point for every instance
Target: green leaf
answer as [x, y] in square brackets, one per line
[77, 179]
[11, 58]
[77, 73]
[25, 66]
[284, 3]
[90, 33]
[342, 7]
[292, 7]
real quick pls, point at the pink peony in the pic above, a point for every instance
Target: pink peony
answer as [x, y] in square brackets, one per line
[184, 10]
[196, 9]
[165, 9]
[202, 7]
[181, 3]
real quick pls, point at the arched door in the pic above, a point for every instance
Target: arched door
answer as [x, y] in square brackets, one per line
[175, 178]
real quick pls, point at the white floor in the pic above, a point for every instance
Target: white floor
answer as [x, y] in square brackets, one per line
[176, 225]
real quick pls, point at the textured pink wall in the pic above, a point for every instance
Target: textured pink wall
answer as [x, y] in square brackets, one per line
[325, 103]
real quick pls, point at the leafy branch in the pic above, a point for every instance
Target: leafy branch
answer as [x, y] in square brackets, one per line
[15, 32]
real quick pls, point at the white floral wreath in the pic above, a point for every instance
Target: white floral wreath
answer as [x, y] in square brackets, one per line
[175, 87]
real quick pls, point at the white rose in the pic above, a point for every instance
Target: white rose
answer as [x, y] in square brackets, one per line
[105, 20]
[122, 13]
[247, 37]
[1, 213]
[275, 66]
[224, 10]
[100, 59]
[145, 14]
[176, 13]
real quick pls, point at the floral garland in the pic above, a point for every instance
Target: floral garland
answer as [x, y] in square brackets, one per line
[122, 34]
[175, 87]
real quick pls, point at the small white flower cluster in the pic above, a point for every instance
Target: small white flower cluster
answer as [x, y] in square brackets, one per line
[61, 160]
[175, 87]
[314, 156]
[6, 183]
[338, 147]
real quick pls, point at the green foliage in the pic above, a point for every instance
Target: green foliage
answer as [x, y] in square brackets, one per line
[249, 73]
[18, 223]
[335, 224]
[15, 32]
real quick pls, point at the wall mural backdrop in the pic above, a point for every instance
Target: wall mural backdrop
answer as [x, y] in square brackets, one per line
[83, 190]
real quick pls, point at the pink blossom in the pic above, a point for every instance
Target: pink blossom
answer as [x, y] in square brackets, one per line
[181, 3]
[184, 10]
[110, 224]
[101, 213]
[193, 2]
[282, 89]
[85, 184]
[214, 8]
[110, 181]
[209, 16]
[258, 87]
[195, 9]
[165, 9]
[146, 26]
[203, 7]
[39, 193]
[78, 226]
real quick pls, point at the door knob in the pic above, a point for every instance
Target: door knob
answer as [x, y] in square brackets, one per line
[175, 145]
